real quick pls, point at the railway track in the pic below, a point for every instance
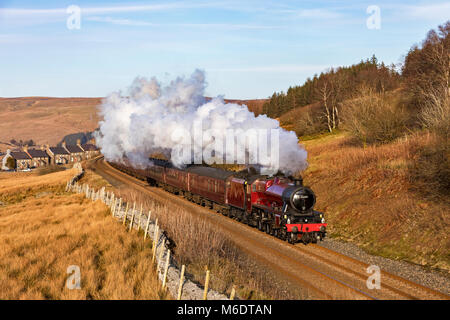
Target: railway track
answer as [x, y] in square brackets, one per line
[324, 273]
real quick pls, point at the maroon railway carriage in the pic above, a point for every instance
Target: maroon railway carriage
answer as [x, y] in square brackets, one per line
[208, 183]
[277, 205]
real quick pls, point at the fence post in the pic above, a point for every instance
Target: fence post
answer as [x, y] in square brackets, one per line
[155, 243]
[139, 219]
[161, 253]
[166, 268]
[205, 293]
[132, 220]
[113, 207]
[233, 292]
[119, 209]
[148, 222]
[180, 286]
[125, 215]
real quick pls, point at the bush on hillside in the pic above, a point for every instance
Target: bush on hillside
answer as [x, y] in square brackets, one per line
[372, 118]
[309, 123]
[430, 172]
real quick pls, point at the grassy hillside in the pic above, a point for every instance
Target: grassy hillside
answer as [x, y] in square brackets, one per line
[45, 120]
[44, 230]
[370, 199]
[48, 120]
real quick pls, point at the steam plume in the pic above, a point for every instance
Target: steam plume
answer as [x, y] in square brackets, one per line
[147, 120]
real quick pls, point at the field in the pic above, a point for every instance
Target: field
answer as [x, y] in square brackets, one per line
[45, 120]
[44, 230]
[369, 198]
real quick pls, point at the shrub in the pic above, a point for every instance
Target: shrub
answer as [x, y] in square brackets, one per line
[435, 112]
[372, 118]
[309, 123]
[11, 163]
[430, 173]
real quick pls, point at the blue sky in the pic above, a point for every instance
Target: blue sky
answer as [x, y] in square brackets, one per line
[248, 49]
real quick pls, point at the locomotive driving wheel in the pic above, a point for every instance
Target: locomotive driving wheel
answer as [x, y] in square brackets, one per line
[260, 225]
[292, 237]
[268, 228]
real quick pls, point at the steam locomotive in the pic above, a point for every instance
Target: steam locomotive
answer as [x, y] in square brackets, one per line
[278, 205]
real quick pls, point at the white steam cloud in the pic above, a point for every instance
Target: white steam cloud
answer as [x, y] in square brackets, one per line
[151, 117]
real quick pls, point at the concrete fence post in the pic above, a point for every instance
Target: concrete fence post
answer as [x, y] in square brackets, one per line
[155, 242]
[161, 252]
[180, 285]
[120, 208]
[139, 219]
[205, 292]
[112, 207]
[233, 292]
[132, 220]
[166, 268]
[148, 222]
[125, 215]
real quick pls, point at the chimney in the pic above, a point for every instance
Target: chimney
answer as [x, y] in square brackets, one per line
[25, 148]
[63, 144]
[78, 142]
[43, 147]
[298, 181]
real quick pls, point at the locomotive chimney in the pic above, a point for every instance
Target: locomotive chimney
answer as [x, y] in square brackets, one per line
[298, 181]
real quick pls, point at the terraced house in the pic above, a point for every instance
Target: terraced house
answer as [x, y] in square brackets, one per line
[22, 159]
[76, 154]
[58, 155]
[39, 157]
[90, 150]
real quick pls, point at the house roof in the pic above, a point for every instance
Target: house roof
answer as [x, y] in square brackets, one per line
[36, 153]
[20, 155]
[74, 149]
[89, 147]
[58, 150]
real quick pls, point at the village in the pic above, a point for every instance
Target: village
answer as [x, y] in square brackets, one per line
[27, 158]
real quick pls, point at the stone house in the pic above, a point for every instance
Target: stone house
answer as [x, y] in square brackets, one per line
[58, 155]
[76, 154]
[90, 150]
[23, 159]
[39, 157]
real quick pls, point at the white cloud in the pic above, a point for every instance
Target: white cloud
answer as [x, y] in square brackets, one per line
[436, 11]
[318, 14]
[128, 22]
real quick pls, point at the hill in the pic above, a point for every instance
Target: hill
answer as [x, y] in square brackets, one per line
[47, 120]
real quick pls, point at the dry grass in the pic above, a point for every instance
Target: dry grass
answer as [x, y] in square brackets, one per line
[369, 198]
[46, 120]
[196, 243]
[49, 230]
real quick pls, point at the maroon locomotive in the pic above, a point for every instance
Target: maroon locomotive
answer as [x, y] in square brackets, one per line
[277, 205]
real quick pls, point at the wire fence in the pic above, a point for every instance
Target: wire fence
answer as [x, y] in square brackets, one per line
[134, 216]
